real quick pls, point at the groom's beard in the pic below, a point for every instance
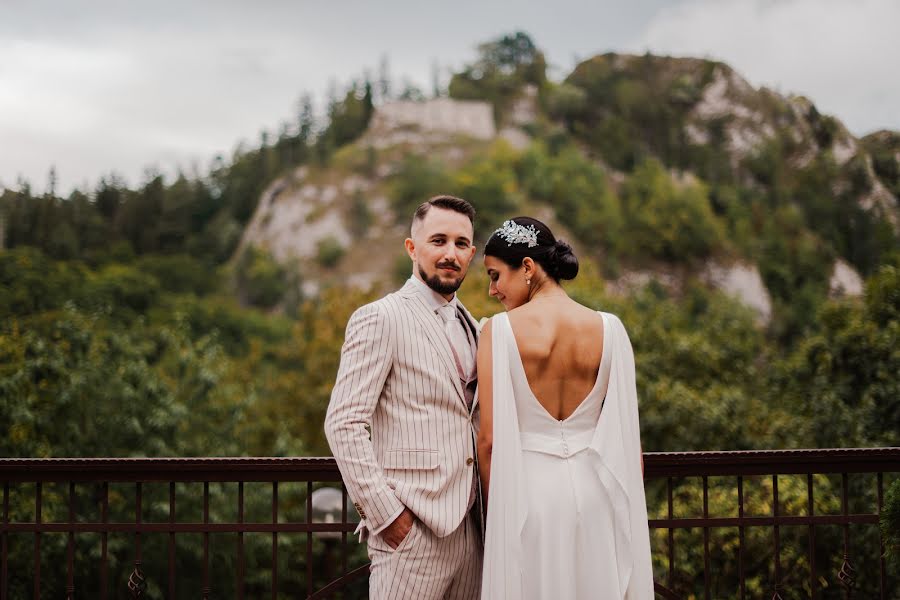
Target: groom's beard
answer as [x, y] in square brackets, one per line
[437, 284]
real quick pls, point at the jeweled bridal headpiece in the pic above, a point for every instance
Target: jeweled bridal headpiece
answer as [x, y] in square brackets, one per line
[513, 233]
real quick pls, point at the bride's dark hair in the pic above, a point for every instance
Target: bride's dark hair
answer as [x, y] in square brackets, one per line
[555, 256]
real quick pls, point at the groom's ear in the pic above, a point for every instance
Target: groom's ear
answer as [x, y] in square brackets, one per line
[410, 248]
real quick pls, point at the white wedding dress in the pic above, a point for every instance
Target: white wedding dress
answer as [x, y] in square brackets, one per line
[567, 518]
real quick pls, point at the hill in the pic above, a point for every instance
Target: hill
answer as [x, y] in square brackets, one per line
[219, 299]
[660, 169]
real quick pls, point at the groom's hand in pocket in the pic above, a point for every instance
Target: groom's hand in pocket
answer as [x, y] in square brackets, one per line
[397, 531]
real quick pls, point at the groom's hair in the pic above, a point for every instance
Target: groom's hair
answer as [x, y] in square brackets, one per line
[446, 202]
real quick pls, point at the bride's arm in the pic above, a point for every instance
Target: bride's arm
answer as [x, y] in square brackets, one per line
[485, 407]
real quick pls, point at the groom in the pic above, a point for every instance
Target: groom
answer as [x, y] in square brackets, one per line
[400, 421]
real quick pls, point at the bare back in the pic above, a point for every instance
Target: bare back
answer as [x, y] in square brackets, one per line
[561, 346]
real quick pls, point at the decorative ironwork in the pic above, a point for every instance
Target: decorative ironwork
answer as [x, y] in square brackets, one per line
[137, 583]
[663, 467]
[845, 575]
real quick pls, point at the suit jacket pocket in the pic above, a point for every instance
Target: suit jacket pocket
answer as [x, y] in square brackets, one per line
[411, 459]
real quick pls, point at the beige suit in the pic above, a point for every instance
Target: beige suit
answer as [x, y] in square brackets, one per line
[398, 379]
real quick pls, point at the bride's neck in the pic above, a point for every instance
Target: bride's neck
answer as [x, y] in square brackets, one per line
[546, 290]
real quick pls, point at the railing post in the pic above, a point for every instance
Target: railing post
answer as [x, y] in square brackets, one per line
[104, 539]
[740, 482]
[813, 585]
[70, 550]
[4, 553]
[206, 589]
[37, 541]
[274, 541]
[309, 552]
[344, 533]
[671, 548]
[706, 568]
[137, 583]
[172, 541]
[240, 542]
[881, 561]
[847, 571]
[777, 593]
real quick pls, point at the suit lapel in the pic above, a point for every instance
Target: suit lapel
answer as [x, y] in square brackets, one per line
[435, 334]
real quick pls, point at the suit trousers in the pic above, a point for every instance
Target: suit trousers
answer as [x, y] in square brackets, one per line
[426, 567]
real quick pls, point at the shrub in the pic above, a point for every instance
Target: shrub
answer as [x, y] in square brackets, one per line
[261, 279]
[417, 179]
[329, 252]
[180, 273]
[890, 522]
[668, 221]
[579, 193]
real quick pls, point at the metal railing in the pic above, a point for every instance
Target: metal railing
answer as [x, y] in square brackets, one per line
[63, 511]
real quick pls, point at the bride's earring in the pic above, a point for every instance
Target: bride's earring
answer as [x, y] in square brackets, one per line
[527, 281]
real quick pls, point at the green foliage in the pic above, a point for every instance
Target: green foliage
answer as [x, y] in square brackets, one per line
[359, 216]
[262, 280]
[416, 179]
[72, 387]
[887, 168]
[842, 380]
[180, 273]
[578, 191]
[33, 283]
[565, 102]
[347, 119]
[635, 107]
[890, 522]
[489, 182]
[329, 252]
[795, 266]
[667, 220]
[121, 287]
[234, 327]
[504, 65]
[702, 385]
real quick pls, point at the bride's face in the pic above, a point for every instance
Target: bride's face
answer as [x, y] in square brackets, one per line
[507, 284]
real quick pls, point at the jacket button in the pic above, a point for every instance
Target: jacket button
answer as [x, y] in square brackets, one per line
[469, 461]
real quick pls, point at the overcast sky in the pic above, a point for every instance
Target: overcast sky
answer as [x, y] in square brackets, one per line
[114, 86]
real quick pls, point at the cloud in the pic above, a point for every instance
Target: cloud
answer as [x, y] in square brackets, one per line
[103, 85]
[843, 55]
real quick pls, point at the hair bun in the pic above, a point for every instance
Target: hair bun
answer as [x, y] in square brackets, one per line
[564, 261]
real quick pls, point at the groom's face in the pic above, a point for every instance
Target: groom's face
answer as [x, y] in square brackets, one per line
[441, 249]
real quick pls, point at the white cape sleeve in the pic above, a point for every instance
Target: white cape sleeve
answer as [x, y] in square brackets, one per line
[502, 574]
[617, 444]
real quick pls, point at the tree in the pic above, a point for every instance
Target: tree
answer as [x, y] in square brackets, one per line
[306, 123]
[384, 79]
[842, 379]
[109, 197]
[417, 178]
[579, 193]
[665, 220]
[503, 66]
[261, 280]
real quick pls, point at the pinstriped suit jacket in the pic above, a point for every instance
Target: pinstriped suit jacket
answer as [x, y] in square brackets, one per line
[398, 376]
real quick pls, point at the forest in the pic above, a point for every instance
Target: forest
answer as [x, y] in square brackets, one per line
[132, 323]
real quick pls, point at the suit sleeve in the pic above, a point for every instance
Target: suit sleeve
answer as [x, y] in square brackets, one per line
[366, 359]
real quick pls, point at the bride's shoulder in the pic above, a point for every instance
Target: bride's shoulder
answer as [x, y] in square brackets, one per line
[485, 323]
[611, 317]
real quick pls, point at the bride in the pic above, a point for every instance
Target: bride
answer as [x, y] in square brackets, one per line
[559, 442]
